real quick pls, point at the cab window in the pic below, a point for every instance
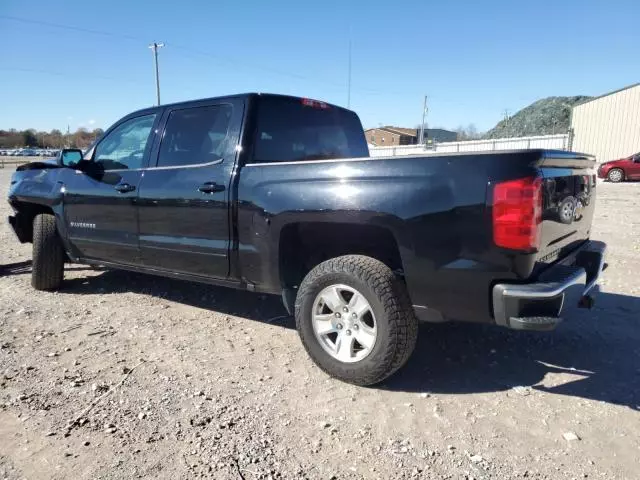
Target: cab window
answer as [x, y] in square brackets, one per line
[123, 148]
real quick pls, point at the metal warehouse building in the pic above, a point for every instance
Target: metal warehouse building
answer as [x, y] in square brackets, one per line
[608, 126]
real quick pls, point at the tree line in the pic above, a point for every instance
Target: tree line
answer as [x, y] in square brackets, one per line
[81, 138]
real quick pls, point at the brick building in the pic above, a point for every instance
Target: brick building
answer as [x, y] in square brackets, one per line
[394, 136]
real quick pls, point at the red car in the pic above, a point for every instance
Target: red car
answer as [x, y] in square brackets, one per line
[619, 170]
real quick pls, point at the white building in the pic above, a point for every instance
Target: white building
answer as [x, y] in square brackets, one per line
[608, 126]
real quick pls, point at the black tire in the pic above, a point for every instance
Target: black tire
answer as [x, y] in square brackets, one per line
[396, 323]
[48, 254]
[615, 178]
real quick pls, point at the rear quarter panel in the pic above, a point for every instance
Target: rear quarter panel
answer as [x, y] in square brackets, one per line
[435, 207]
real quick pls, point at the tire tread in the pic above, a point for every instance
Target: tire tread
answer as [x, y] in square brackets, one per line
[48, 254]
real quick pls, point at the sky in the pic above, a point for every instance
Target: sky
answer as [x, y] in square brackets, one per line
[86, 64]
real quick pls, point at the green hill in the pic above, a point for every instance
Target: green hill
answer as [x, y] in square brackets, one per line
[544, 117]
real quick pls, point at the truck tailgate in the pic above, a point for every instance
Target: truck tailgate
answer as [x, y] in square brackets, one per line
[568, 203]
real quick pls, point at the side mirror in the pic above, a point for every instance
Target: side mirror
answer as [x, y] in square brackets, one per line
[70, 157]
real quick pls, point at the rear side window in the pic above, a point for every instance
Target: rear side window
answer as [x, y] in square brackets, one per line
[296, 130]
[195, 135]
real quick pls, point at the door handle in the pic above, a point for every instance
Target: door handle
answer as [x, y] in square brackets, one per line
[124, 188]
[210, 187]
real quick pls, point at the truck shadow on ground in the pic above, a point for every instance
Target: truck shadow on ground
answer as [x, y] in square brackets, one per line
[255, 306]
[598, 351]
[24, 267]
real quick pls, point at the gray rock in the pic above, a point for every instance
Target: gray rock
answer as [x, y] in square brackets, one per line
[520, 390]
[570, 436]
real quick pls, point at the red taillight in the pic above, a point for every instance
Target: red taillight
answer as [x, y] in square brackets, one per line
[517, 211]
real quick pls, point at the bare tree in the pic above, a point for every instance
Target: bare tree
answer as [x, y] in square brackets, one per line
[470, 132]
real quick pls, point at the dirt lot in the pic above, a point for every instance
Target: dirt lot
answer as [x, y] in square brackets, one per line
[121, 375]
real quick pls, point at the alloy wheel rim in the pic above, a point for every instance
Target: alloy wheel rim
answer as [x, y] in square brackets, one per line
[567, 210]
[344, 323]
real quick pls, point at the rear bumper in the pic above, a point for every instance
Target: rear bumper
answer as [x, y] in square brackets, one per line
[539, 305]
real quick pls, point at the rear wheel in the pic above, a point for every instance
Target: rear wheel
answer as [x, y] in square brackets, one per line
[615, 175]
[48, 254]
[355, 319]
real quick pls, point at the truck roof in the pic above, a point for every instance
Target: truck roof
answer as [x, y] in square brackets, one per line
[237, 95]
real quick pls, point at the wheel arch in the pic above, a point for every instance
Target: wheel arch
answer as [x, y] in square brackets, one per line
[25, 212]
[304, 245]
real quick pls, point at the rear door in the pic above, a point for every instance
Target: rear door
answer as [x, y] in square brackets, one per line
[184, 196]
[100, 201]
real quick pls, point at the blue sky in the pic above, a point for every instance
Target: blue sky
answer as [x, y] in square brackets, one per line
[473, 58]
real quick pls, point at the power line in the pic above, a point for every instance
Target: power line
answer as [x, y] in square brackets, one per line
[253, 65]
[65, 74]
[70, 27]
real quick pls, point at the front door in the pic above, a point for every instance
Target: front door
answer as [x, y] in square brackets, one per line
[100, 197]
[633, 172]
[184, 195]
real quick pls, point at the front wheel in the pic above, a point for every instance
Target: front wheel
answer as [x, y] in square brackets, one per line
[48, 254]
[615, 175]
[355, 319]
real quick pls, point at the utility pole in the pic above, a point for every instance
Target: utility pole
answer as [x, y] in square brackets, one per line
[155, 46]
[424, 114]
[506, 117]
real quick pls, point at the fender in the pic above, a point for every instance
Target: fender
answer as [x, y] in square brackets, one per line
[41, 185]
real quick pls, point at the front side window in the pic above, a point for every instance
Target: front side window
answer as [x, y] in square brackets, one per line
[124, 147]
[195, 135]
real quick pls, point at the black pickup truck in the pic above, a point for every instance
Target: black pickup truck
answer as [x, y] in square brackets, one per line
[278, 195]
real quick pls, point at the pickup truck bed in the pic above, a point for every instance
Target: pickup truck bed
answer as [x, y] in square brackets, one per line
[277, 194]
[435, 209]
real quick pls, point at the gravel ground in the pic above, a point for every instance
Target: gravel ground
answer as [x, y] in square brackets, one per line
[122, 375]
